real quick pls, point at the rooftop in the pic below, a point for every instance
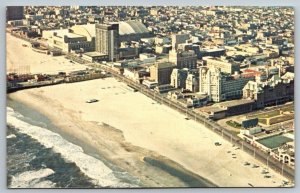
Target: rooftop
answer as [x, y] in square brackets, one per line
[212, 109]
[233, 103]
[274, 141]
[132, 27]
[164, 65]
[93, 54]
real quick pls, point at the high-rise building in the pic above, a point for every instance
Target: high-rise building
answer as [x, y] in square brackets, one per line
[107, 40]
[178, 77]
[14, 13]
[161, 72]
[183, 59]
[220, 86]
[179, 39]
[192, 82]
[224, 65]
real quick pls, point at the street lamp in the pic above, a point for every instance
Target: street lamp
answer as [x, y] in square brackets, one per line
[268, 162]
[186, 112]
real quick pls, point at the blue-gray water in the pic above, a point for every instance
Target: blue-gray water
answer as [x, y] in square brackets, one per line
[27, 156]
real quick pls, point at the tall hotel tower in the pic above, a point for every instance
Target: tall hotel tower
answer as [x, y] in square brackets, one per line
[14, 13]
[107, 40]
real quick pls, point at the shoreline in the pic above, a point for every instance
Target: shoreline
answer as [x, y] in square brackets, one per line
[92, 151]
[132, 144]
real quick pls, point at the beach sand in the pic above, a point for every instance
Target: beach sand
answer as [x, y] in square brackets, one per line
[23, 59]
[127, 126]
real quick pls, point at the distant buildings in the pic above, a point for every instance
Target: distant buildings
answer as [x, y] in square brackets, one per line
[215, 52]
[14, 13]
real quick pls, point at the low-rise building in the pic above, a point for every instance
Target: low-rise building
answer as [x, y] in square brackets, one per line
[150, 83]
[94, 56]
[237, 107]
[286, 153]
[77, 38]
[197, 101]
[147, 58]
[274, 91]
[163, 88]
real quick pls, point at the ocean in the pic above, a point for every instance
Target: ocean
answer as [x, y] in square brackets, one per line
[40, 157]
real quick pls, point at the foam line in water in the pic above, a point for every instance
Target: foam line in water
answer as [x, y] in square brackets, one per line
[31, 179]
[90, 166]
[11, 136]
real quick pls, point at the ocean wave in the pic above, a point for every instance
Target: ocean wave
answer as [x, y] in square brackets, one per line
[90, 166]
[11, 136]
[32, 179]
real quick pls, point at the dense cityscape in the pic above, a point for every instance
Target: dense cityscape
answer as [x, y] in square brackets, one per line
[230, 69]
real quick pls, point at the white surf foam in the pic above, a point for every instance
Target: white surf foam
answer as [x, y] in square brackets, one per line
[11, 136]
[44, 184]
[31, 179]
[90, 166]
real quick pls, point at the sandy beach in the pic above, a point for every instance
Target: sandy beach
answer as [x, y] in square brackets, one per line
[21, 59]
[126, 126]
[138, 126]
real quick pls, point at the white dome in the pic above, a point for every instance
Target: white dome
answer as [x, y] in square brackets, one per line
[132, 27]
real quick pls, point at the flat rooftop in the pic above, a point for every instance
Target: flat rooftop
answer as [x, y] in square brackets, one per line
[235, 103]
[63, 32]
[94, 54]
[212, 109]
[274, 141]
